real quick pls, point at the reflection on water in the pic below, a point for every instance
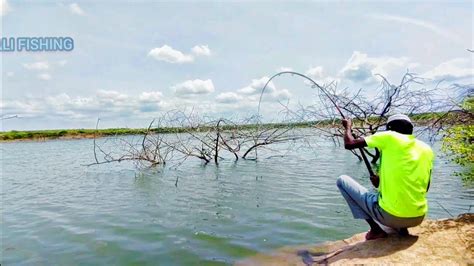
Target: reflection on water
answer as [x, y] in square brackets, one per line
[55, 210]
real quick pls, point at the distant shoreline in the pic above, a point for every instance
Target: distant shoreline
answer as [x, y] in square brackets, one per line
[69, 134]
[42, 135]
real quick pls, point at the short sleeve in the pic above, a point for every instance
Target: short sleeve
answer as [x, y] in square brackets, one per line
[378, 140]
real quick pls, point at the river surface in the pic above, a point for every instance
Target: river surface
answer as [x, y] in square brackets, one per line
[56, 211]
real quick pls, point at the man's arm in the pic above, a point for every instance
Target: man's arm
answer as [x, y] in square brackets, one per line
[349, 142]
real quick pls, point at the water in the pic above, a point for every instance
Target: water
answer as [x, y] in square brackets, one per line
[55, 210]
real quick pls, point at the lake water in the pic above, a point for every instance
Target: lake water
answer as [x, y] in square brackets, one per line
[55, 210]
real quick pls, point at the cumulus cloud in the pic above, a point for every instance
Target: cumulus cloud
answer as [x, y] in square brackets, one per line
[201, 50]
[4, 7]
[281, 95]
[150, 101]
[319, 75]
[228, 97]
[253, 91]
[168, 54]
[76, 9]
[194, 87]
[44, 76]
[315, 72]
[455, 69]
[103, 102]
[249, 96]
[150, 97]
[362, 68]
[256, 86]
[43, 65]
[110, 96]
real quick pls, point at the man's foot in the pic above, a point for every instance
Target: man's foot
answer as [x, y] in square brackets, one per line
[403, 232]
[375, 234]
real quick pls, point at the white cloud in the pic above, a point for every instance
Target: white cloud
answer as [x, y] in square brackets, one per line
[63, 102]
[110, 96]
[228, 97]
[455, 69]
[445, 33]
[62, 62]
[44, 76]
[104, 103]
[318, 74]
[4, 7]
[76, 9]
[257, 85]
[201, 50]
[170, 55]
[315, 72]
[282, 94]
[362, 68]
[194, 87]
[253, 91]
[150, 101]
[37, 66]
[150, 97]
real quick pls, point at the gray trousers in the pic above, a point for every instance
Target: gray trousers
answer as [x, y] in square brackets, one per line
[364, 205]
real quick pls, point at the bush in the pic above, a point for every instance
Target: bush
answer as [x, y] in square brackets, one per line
[457, 142]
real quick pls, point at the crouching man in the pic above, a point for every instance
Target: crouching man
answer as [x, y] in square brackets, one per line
[405, 174]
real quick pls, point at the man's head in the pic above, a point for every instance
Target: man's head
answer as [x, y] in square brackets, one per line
[400, 123]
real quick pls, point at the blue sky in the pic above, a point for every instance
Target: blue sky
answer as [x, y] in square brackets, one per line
[134, 61]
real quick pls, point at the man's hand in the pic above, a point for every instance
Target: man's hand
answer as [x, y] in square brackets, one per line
[375, 180]
[347, 124]
[349, 141]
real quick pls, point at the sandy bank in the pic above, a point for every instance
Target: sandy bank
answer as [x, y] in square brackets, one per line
[440, 242]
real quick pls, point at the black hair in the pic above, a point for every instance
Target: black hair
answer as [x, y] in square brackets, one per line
[401, 126]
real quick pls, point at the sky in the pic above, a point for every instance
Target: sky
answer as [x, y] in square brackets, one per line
[133, 61]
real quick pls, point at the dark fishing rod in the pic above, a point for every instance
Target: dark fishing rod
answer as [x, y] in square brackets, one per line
[315, 84]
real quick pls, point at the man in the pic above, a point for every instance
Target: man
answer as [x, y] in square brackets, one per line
[405, 174]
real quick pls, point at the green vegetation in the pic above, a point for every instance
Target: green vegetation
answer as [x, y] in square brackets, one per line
[66, 133]
[458, 143]
[90, 133]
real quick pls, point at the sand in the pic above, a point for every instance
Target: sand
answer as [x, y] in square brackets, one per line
[439, 242]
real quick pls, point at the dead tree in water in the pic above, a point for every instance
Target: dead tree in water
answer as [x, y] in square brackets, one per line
[210, 140]
[147, 150]
[180, 136]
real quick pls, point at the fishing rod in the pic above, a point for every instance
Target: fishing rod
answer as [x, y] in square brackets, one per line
[315, 84]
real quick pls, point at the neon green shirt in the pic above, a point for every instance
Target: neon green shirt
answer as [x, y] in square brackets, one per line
[404, 173]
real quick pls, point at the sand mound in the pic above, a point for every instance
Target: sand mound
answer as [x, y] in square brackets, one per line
[440, 242]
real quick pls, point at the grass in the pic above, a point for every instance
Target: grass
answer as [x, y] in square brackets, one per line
[89, 133]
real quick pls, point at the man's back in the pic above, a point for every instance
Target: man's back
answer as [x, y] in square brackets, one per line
[405, 173]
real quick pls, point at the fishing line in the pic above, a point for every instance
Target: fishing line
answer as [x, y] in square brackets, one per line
[326, 93]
